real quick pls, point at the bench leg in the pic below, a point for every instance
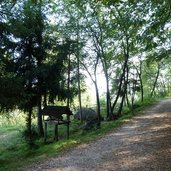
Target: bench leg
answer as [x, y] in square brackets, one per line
[56, 132]
[45, 133]
[68, 131]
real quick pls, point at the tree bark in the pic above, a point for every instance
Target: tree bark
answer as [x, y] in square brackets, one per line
[39, 117]
[28, 124]
[108, 97]
[120, 84]
[124, 90]
[98, 103]
[96, 89]
[78, 77]
[155, 82]
[139, 72]
[68, 82]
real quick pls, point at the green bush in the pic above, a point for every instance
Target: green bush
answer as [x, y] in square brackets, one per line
[30, 136]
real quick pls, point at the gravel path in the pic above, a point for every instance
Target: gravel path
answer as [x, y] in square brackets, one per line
[141, 144]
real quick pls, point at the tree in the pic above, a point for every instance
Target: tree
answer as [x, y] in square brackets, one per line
[44, 59]
[40, 60]
[10, 86]
[95, 29]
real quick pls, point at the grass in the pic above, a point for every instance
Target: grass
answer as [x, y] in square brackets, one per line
[13, 148]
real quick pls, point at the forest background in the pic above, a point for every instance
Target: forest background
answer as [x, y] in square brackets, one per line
[49, 49]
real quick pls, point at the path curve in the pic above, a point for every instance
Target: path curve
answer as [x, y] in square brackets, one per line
[141, 144]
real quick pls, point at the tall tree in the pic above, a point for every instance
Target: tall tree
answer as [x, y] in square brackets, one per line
[39, 59]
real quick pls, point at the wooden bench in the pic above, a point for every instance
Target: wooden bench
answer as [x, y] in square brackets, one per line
[55, 117]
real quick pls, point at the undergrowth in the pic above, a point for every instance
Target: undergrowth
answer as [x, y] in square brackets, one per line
[15, 153]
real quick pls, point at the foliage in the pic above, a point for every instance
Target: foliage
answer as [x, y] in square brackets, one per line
[37, 63]
[30, 137]
[46, 47]
[13, 147]
[88, 20]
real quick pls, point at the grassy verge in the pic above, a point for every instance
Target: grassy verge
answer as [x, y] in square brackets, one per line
[14, 151]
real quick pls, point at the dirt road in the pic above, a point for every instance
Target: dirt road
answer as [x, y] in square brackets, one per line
[141, 144]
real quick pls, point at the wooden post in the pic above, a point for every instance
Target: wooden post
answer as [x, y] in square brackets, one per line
[45, 134]
[56, 132]
[68, 130]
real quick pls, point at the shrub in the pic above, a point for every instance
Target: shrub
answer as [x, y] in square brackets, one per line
[30, 136]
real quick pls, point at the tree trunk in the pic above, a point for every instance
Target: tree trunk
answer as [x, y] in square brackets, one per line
[105, 69]
[127, 100]
[124, 91]
[96, 88]
[108, 106]
[28, 124]
[142, 89]
[141, 82]
[78, 77]
[120, 85]
[126, 55]
[39, 118]
[98, 104]
[39, 100]
[45, 99]
[155, 82]
[68, 82]
[118, 94]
